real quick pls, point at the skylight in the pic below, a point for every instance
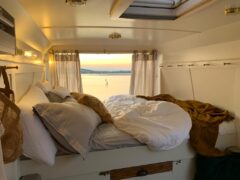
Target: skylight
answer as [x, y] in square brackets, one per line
[155, 9]
[170, 4]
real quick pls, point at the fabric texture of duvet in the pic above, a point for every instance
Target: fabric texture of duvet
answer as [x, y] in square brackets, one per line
[158, 124]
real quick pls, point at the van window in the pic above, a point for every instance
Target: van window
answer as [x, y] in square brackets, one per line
[105, 75]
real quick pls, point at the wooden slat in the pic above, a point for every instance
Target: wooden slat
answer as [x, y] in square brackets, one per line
[136, 171]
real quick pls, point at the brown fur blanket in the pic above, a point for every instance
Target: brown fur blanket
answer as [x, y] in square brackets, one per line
[205, 123]
[95, 104]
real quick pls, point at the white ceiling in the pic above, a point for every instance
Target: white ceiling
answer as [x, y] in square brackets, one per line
[91, 24]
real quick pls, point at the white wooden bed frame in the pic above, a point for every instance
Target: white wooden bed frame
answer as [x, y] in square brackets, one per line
[182, 82]
[73, 167]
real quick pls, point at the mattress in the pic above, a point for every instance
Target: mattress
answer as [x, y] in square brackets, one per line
[227, 127]
[227, 135]
[107, 137]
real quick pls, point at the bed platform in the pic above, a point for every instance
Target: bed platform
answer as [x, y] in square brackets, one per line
[174, 164]
[100, 164]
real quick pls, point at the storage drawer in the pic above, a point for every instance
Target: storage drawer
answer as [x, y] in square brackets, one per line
[140, 171]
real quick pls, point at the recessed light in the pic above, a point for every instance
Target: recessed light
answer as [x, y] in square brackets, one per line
[232, 11]
[115, 35]
[76, 2]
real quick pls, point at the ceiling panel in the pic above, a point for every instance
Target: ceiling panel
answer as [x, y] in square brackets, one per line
[61, 22]
[141, 35]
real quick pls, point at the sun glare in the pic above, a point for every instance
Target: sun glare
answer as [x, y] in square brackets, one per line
[106, 61]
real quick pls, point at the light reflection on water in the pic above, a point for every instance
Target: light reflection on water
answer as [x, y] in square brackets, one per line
[105, 85]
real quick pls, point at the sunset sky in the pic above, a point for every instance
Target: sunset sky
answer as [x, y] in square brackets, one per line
[106, 61]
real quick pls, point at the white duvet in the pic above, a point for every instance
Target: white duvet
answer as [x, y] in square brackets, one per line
[158, 124]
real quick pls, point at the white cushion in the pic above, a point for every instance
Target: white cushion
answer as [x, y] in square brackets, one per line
[70, 123]
[45, 86]
[37, 142]
[61, 91]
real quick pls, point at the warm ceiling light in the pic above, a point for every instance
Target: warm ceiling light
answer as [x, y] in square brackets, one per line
[233, 10]
[76, 2]
[115, 35]
[28, 53]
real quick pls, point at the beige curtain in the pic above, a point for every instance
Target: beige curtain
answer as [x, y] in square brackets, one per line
[144, 77]
[65, 70]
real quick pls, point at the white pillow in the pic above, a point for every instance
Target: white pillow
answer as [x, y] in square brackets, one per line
[70, 123]
[45, 86]
[61, 91]
[37, 142]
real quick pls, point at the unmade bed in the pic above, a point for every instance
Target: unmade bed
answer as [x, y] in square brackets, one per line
[200, 83]
[114, 152]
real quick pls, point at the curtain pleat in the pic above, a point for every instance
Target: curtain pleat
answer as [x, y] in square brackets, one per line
[65, 70]
[144, 77]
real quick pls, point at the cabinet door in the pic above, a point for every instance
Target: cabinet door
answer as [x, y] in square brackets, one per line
[184, 169]
[90, 176]
[143, 172]
[159, 176]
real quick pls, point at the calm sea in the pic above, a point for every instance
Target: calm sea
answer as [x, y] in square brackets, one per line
[105, 85]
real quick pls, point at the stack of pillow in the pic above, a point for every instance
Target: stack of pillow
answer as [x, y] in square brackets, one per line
[58, 94]
[58, 122]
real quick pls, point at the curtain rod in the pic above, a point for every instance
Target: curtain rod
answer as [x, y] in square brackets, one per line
[103, 51]
[94, 52]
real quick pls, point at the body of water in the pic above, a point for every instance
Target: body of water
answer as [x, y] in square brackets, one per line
[104, 85]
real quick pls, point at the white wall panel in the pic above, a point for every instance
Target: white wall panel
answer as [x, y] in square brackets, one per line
[215, 85]
[23, 84]
[220, 43]
[237, 102]
[177, 82]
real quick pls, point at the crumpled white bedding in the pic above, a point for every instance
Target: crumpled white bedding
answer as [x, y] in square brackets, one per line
[158, 124]
[107, 136]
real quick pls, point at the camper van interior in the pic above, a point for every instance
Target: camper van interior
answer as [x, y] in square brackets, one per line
[119, 89]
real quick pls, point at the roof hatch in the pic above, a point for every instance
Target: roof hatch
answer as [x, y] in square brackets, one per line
[155, 9]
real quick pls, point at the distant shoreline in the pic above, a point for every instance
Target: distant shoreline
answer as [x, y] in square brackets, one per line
[99, 72]
[107, 74]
